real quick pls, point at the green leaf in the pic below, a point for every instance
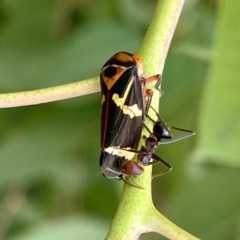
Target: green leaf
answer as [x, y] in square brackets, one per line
[219, 125]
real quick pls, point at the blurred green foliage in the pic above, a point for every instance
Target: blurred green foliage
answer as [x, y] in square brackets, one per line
[49, 153]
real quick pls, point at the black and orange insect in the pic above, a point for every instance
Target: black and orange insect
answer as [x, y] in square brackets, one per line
[124, 108]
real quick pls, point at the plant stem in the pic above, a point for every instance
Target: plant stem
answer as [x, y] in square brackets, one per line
[136, 213]
[52, 94]
[157, 40]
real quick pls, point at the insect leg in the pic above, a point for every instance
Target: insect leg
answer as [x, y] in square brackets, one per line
[157, 159]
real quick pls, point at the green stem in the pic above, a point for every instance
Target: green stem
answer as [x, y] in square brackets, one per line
[136, 213]
[52, 94]
[156, 43]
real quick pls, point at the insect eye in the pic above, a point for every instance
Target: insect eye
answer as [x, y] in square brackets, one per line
[110, 72]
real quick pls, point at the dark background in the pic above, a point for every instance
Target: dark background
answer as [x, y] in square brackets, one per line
[49, 153]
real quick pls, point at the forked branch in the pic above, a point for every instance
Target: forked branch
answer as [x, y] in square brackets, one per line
[136, 213]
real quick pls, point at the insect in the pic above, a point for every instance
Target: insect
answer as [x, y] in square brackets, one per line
[123, 109]
[160, 134]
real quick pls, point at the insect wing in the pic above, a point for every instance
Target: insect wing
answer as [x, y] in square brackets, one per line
[122, 114]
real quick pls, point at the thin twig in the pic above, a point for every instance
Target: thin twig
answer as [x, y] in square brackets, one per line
[18, 99]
